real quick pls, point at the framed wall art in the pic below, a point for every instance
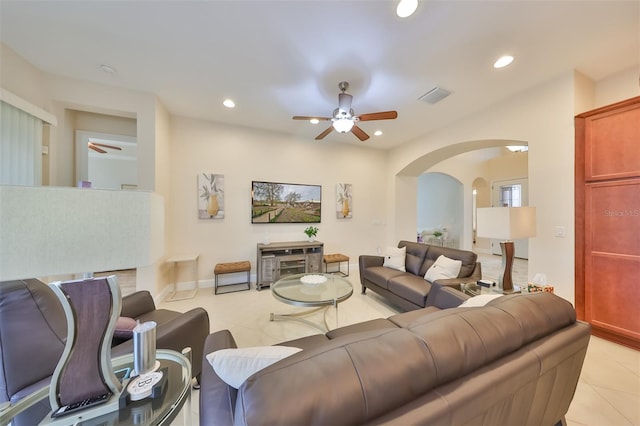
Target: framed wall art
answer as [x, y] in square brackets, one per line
[344, 201]
[210, 196]
[275, 202]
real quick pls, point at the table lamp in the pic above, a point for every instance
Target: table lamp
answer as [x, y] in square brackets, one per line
[506, 224]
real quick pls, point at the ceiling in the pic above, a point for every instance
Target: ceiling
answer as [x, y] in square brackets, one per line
[277, 59]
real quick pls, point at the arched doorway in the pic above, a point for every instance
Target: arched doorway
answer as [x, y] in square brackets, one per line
[406, 182]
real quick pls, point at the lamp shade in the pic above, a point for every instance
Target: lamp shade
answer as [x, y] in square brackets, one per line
[61, 230]
[506, 223]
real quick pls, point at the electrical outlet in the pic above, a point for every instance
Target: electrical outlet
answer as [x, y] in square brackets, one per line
[559, 232]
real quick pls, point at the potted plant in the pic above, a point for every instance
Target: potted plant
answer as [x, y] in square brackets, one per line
[311, 232]
[437, 234]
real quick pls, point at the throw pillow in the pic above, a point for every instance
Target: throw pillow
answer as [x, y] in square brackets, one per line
[443, 268]
[480, 300]
[124, 328]
[234, 366]
[394, 258]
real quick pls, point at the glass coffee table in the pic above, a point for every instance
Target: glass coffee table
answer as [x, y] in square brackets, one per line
[315, 291]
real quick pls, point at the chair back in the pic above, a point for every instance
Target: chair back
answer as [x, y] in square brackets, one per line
[33, 330]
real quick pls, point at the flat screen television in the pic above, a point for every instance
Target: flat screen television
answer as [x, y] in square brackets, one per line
[275, 202]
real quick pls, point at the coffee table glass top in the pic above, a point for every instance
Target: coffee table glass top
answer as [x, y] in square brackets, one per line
[312, 289]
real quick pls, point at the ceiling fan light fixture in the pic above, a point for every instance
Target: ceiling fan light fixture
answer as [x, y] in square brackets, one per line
[314, 121]
[377, 133]
[406, 8]
[343, 125]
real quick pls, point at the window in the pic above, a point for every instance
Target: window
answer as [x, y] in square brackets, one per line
[511, 195]
[20, 147]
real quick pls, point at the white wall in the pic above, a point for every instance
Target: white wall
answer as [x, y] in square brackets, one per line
[440, 204]
[617, 87]
[542, 116]
[243, 155]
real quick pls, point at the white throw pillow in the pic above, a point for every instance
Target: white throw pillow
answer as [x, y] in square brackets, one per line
[394, 258]
[234, 366]
[443, 268]
[480, 300]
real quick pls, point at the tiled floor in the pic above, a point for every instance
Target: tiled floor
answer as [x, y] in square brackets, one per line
[608, 392]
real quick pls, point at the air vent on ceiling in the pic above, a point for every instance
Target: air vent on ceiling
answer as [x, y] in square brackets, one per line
[434, 95]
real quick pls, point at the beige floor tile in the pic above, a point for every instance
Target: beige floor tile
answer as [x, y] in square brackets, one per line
[590, 408]
[627, 404]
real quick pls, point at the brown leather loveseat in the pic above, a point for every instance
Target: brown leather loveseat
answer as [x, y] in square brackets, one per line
[410, 290]
[516, 360]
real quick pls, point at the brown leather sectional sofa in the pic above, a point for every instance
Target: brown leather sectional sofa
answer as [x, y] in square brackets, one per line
[33, 330]
[515, 361]
[409, 290]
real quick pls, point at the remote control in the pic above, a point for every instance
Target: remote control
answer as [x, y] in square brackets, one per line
[76, 406]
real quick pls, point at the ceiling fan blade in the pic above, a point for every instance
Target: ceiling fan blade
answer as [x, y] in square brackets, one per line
[304, 117]
[360, 134]
[96, 149]
[325, 133]
[105, 146]
[385, 115]
[344, 102]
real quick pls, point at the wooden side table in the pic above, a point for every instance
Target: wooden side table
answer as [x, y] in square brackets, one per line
[183, 294]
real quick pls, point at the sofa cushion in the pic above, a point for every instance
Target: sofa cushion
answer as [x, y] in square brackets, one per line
[234, 366]
[415, 256]
[394, 258]
[443, 268]
[348, 377]
[406, 318]
[410, 287]
[468, 259]
[379, 275]
[479, 300]
[307, 343]
[375, 324]
[124, 328]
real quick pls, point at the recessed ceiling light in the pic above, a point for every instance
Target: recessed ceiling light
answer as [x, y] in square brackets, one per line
[406, 8]
[108, 69]
[503, 61]
[229, 103]
[378, 133]
[314, 121]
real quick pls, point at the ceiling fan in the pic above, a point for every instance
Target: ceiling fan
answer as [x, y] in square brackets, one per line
[97, 147]
[344, 119]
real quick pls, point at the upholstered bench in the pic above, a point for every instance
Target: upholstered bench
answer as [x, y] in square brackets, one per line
[232, 268]
[336, 258]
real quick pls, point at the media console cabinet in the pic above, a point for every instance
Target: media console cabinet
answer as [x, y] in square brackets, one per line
[277, 260]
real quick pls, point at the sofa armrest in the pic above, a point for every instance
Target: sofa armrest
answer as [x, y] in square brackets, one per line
[217, 399]
[137, 304]
[366, 261]
[476, 275]
[176, 331]
[444, 297]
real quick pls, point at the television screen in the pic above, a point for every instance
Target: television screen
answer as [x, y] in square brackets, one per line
[273, 202]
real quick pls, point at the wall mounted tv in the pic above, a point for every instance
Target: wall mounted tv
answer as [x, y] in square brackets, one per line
[274, 202]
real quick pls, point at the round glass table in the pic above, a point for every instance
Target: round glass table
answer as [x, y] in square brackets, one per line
[316, 291]
[175, 398]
